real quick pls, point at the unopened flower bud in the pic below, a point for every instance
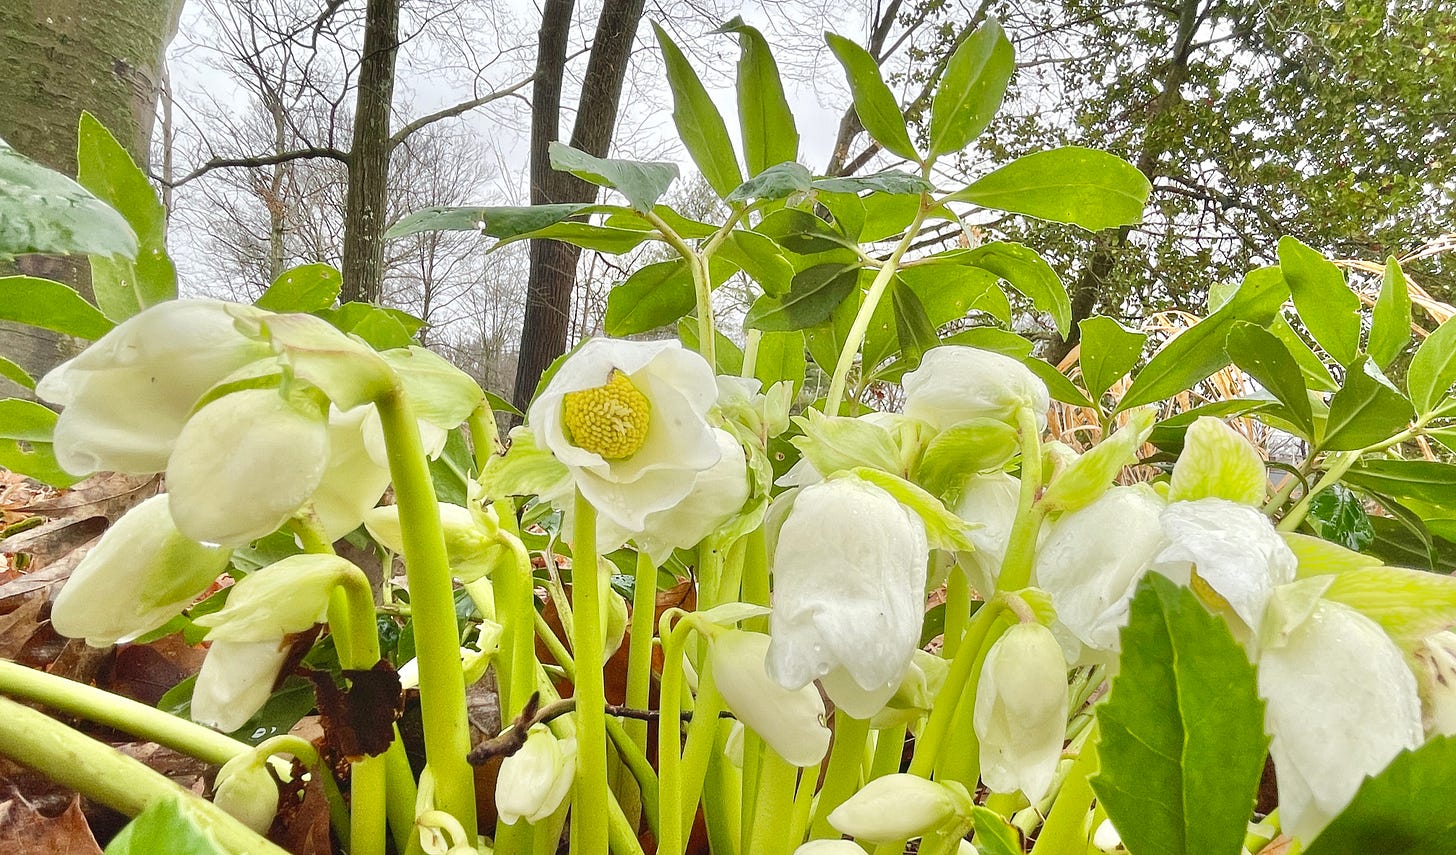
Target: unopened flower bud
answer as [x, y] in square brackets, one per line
[534, 781]
[955, 383]
[1021, 711]
[471, 539]
[247, 791]
[899, 807]
[791, 721]
[236, 679]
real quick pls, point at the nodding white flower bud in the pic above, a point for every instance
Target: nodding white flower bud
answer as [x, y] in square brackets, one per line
[791, 721]
[236, 679]
[849, 593]
[471, 539]
[243, 465]
[990, 502]
[127, 396]
[139, 576]
[955, 383]
[1106, 838]
[1021, 711]
[535, 780]
[353, 481]
[1340, 703]
[286, 597]
[830, 847]
[1437, 678]
[246, 790]
[899, 807]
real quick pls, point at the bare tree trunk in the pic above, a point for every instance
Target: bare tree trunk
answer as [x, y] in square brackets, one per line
[364, 205]
[553, 264]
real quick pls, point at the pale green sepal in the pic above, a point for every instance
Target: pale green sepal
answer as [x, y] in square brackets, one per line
[525, 470]
[1289, 606]
[440, 393]
[727, 615]
[1408, 604]
[1219, 463]
[943, 529]
[285, 597]
[1319, 557]
[1039, 601]
[835, 443]
[960, 452]
[1089, 476]
[343, 367]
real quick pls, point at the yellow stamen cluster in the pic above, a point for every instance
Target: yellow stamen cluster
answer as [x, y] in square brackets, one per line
[1205, 592]
[611, 419]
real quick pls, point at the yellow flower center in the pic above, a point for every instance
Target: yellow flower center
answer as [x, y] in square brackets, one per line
[611, 420]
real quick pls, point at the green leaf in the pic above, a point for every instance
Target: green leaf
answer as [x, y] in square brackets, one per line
[946, 293]
[801, 232]
[26, 420]
[1194, 354]
[699, 124]
[1403, 810]
[597, 238]
[824, 341]
[970, 92]
[1390, 330]
[1426, 480]
[1337, 515]
[626, 218]
[878, 110]
[1059, 386]
[1263, 357]
[1326, 305]
[656, 295]
[52, 305]
[1182, 741]
[769, 133]
[42, 210]
[1025, 270]
[642, 183]
[776, 182]
[440, 393]
[1316, 374]
[1109, 351]
[306, 288]
[382, 328]
[10, 371]
[760, 258]
[812, 298]
[1080, 186]
[913, 327]
[728, 355]
[25, 442]
[990, 338]
[496, 222]
[170, 825]
[1433, 368]
[1366, 411]
[124, 288]
[781, 357]
[962, 450]
[891, 182]
[994, 835]
[886, 215]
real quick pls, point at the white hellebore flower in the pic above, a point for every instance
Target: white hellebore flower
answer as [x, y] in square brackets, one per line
[791, 722]
[849, 593]
[247, 791]
[534, 781]
[988, 501]
[1437, 656]
[1021, 711]
[717, 496]
[1340, 704]
[126, 397]
[472, 543]
[245, 464]
[629, 420]
[138, 577]
[1227, 553]
[1094, 557]
[955, 383]
[353, 481]
[235, 681]
[899, 807]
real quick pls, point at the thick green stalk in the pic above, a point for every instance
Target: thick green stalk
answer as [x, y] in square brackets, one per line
[723, 797]
[889, 751]
[774, 810]
[589, 805]
[702, 284]
[639, 651]
[516, 611]
[841, 779]
[957, 611]
[1021, 545]
[861, 323]
[367, 778]
[671, 837]
[432, 604]
[1066, 828]
[107, 776]
[698, 749]
[803, 806]
[1342, 463]
[753, 748]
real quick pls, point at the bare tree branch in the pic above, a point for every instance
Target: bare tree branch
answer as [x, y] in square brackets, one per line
[458, 109]
[251, 162]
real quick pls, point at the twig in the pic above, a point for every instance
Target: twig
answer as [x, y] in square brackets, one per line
[514, 738]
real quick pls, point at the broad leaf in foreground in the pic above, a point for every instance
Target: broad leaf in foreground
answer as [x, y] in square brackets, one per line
[1404, 810]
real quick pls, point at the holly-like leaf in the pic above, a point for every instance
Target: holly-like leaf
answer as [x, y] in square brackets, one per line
[1401, 811]
[1337, 515]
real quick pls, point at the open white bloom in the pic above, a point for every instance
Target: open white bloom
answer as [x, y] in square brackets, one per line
[629, 420]
[1229, 548]
[138, 577]
[955, 383]
[1093, 558]
[235, 681]
[898, 807]
[1021, 711]
[1340, 704]
[849, 593]
[988, 501]
[1437, 656]
[126, 397]
[717, 496]
[791, 721]
[243, 465]
[534, 781]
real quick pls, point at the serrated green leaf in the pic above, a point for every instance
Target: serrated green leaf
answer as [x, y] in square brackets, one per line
[1109, 352]
[1427, 480]
[1390, 328]
[812, 298]
[1080, 186]
[306, 288]
[1337, 515]
[1401, 811]
[496, 222]
[781, 357]
[962, 450]
[105, 168]
[52, 305]
[1433, 368]
[699, 124]
[1182, 741]
[970, 91]
[779, 181]
[1365, 412]
[643, 183]
[42, 210]
[878, 110]
[656, 295]
[764, 118]
[1326, 305]
[1261, 355]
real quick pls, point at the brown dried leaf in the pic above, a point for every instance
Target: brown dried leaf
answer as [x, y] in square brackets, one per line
[108, 494]
[17, 627]
[26, 831]
[359, 720]
[144, 672]
[302, 824]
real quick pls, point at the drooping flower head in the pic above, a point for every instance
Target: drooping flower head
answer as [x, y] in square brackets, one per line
[955, 383]
[1021, 711]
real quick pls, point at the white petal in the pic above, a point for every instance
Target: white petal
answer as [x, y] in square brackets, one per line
[791, 722]
[1341, 703]
[235, 681]
[955, 383]
[990, 502]
[1021, 711]
[717, 496]
[534, 781]
[353, 481]
[1233, 547]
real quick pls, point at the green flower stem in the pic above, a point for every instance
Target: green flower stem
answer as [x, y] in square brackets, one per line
[752, 340]
[107, 776]
[702, 283]
[867, 308]
[960, 760]
[957, 611]
[124, 714]
[367, 777]
[1337, 469]
[723, 796]
[639, 650]
[1021, 545]
[484, 436]
[432, 603]
[516, 611]
[589, 808]
[803, 807]
[775, 807]
[753, 749]
[929, 745]
[755, 577]
[889, 750]
[698, 749]
[1065, 829]
[841, 779]
[671, 837]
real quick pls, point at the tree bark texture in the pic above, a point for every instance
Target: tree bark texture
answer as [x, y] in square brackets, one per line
[365, 207]
[553, 264]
